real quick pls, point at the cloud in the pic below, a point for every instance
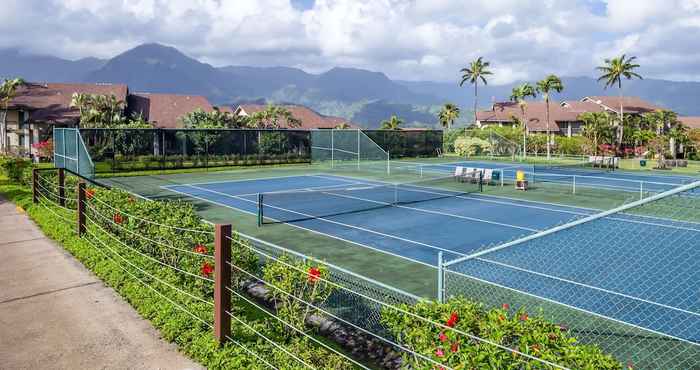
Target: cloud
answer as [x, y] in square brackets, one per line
[406, 39]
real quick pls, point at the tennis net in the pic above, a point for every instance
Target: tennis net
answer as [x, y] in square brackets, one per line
[590, 165]
[360, 196]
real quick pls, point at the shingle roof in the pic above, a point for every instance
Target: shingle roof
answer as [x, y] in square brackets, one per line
[165, 110]
[630, 104]
[50, 102]
[691, 122]
[309, 118]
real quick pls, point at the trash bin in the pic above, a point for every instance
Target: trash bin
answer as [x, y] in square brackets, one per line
[642, 163]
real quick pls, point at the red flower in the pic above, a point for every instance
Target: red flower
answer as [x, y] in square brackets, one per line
[523, 317]
[452, 321]
[201, 249]
[553, 336]
[130, 200]
[630, 365]
[442, 337]
[89, 193]
[501, 318]
[439, 352]
[207, 269]
[535, 348]
[455, 347]
[314, 274]
[118, 219]
[505, 306]
[563, 327]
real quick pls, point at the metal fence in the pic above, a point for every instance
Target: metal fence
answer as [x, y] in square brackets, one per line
[70, 152]
[408, 143]
[119, 150]
[626, 279]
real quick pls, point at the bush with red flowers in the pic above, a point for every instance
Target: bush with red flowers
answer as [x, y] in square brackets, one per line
[515, 329]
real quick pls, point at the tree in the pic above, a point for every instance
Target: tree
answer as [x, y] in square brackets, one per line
[272, 117]
[8, 90]
[519, 94]
[448, 114]
[476, 71]
[596, 127]
[342, 126]
[550, 84]
[392, 123]
[99, 111]
[613, 72]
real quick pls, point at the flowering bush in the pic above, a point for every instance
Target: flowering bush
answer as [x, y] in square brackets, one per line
[14, 168]
[515, 329]
[44, 149]
[470, 146]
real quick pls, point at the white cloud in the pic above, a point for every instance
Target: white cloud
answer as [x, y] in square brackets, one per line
[407, 39]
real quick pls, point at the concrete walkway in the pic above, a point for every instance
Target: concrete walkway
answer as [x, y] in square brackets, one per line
[55, 314]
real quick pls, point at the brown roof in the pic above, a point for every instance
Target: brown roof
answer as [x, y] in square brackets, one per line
[225, 109]
[50, 102]
[691, 122]
[165, 110]
[310, 119]
[630, 104]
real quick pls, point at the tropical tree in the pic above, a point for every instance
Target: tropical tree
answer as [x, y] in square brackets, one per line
[273, 116]
[99, 111]
[550, 84]
[8, 90]
[596, 127]
[477, 70]
[448, 114]
[519, 94]
[392, 123]
[342, 126]
[613, 72]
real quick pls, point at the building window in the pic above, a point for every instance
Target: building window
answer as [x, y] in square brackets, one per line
[22, 140]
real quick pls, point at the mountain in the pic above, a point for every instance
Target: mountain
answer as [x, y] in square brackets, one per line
[14, 63]
[365, 97]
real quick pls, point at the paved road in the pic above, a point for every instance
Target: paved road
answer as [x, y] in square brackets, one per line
[56, 314]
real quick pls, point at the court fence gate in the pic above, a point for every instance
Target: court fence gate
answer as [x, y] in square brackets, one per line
[627, 279]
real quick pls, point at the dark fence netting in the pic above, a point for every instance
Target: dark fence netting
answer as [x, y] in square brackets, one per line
[408, 143]
[120, 150]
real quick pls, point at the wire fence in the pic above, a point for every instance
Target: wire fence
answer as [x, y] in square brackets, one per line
[625, 279]
[304, 297]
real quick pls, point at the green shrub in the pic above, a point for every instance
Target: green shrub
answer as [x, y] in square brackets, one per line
[14, 167]
[575, 145]
[513, 329]
[471, 146]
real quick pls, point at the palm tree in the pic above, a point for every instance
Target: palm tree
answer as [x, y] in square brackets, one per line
[392, 123]
[80, 101]
[448, 114]
[595, 127]
[519, 94]
[613, 72]
[472, 74]
[8, 89]
[549, 84]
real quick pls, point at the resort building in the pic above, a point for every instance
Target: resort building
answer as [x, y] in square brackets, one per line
[564, 117]
[166, 110]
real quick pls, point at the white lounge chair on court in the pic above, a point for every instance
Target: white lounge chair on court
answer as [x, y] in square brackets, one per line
[488, 176]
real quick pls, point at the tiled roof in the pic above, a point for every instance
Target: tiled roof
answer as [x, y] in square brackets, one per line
[691, 122]
[50, 102]
[630, 104]
[309, 118]
[165, 110]
[225, 109]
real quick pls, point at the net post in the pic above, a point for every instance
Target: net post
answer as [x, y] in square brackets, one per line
[503, 174]
[222, 282]
[81, 208]
[574, 185]
[641, 190]
[35, 188]
[388, 163]
[77, 155]
[440, 279]
[481, 181]
[62, 187]
[332, 147]
[260, 209]
[358, 149]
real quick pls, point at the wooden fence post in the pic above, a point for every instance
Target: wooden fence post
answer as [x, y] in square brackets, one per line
[81, 208]
[222, 282]
[35, 189]
[61, 187]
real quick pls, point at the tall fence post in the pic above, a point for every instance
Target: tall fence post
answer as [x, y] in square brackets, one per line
[222, 282]
[441, 279]
[81, 208]
[62, 187]
[35, 188]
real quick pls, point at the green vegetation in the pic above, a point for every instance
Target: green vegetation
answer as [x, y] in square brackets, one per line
[613, 72]
[448, 114]
[393, 123]
[546, 86]
[477, 70]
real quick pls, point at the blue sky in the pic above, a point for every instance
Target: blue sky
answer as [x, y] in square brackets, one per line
[406, 39]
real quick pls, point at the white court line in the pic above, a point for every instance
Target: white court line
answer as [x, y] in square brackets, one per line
[302, 228]
[584, 285]
[339, 223]
[244, 180]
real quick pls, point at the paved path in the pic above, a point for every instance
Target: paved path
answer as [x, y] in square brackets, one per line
[55, 314]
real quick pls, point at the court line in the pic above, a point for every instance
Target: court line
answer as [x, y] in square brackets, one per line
[340, 223]
[167, 187]
[550, 300]
[243, 180]
[584, 285]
